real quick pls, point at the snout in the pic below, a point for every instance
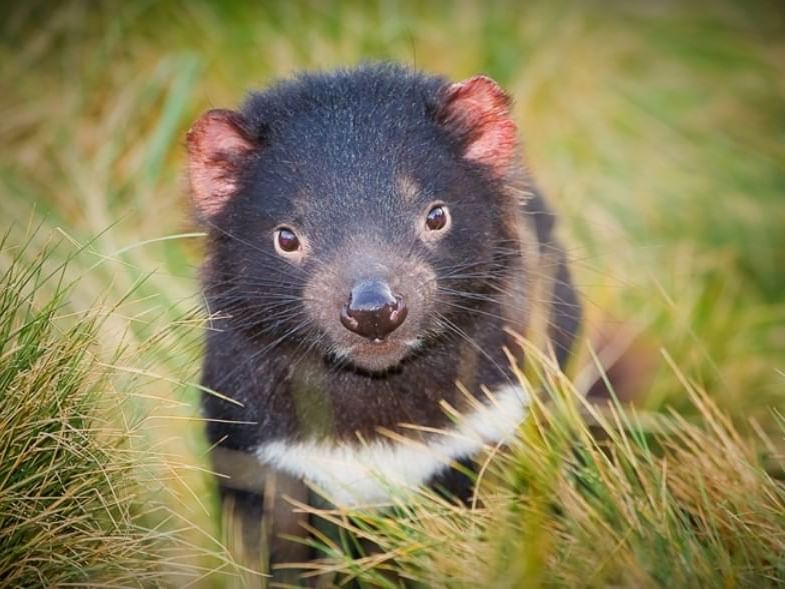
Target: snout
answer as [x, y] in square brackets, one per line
[373, 310]
[372, 307]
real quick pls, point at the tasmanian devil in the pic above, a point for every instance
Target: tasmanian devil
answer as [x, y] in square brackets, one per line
[372, 240]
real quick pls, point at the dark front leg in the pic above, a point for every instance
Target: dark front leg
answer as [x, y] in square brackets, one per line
[258, 519]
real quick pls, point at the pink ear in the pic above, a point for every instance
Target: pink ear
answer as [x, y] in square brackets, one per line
[477, 111]
[217, 146]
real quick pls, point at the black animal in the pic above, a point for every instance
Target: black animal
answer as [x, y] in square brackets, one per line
[371, 233]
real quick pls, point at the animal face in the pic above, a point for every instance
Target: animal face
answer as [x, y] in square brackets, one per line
[361, 215]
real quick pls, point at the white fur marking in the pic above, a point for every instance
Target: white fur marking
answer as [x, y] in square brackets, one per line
[363, 474]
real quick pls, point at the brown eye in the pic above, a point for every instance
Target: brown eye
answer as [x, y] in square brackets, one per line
[436, 219]
[286, 241]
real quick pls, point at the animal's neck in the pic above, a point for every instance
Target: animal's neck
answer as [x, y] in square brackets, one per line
[330, 401]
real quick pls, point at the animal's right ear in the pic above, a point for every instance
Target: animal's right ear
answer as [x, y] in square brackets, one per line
[218, 145]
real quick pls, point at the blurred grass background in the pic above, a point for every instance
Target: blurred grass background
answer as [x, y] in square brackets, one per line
[656, 129]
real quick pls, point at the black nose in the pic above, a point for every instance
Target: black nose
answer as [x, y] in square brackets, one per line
[373, 311]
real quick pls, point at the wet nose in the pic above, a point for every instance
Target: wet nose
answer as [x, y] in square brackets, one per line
[373, 311]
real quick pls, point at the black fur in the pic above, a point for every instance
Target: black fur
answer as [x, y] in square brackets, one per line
[331, 151]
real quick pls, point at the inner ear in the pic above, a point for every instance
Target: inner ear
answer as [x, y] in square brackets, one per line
[477, 112]
[218, 145]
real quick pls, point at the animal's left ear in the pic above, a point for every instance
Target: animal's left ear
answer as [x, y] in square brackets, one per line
[477, 112]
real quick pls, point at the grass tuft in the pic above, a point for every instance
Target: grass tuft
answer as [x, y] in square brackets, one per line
[84, 490]
[586, 497]
[70, 498]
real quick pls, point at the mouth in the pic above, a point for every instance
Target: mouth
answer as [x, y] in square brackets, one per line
[377, 355]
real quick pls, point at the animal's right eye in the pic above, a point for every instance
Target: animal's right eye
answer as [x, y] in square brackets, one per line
[286, 241]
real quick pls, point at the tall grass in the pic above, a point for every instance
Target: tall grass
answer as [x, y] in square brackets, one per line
[585, 497]
[89, 494]
[70, 498]
[657, 132]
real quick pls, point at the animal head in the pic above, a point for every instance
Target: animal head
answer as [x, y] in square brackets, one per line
[359, 214]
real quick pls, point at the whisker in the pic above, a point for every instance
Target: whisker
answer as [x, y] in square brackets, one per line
[458, 331]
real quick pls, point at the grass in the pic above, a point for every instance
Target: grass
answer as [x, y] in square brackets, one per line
[657, 131]
[627, 501]
[91, 493]
[70, 509]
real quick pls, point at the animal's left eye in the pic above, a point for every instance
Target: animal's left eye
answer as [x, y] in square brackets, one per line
[437, 218]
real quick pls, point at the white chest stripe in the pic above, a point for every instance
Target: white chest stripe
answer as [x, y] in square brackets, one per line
[363, 474]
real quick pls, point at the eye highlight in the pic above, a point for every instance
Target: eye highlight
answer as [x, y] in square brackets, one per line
[437, 218]
[286, 241]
